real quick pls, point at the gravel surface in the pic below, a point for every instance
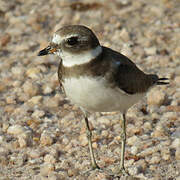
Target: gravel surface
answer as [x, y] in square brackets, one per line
[42, 136]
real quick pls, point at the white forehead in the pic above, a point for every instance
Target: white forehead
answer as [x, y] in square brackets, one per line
[57, 39]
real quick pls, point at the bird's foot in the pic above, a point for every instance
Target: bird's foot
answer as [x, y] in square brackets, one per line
[93, 168]
[118, 172]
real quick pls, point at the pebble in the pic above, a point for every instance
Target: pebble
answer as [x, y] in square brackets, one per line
[150, 50]
[30, 88]
[46, 169]
[148, 151]
[54, 176]
[35, 100]
[134, 150]
[17, 71]
[38, 113]
[15, 129]
[134, 170]
[52, 102]
[25, 139]
[159, 131]
[33, 72]
[176, 143]
[124, 35]
[46, 139]
[5, 127]
[147, 126]
[47, 89]
[177, 154]
[156, 97]
[133, 140]
[34, 154]
[5, 39]
[83, 139]
[72, 172]
[165, 153]
[155, 159]
[49, 159]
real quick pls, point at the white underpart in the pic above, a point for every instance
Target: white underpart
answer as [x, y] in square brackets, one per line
[71, 59]
[94, 95]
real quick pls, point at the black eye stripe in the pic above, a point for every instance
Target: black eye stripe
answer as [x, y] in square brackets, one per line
[72, 41]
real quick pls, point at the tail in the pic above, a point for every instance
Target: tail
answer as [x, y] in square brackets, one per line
[160, 81]
[155, 80]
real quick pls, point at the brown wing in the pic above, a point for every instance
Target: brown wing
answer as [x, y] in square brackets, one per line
[132, 80]
[126, 75]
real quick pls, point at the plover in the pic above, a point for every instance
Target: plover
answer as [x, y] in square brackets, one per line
[97, 78]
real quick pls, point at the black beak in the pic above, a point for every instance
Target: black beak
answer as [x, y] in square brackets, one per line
[44, 52]
[47, 50]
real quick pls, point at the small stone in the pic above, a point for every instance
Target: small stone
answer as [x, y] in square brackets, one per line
[133, 140]
[21, 159]
[148, 126]
[46, 168]
[177, 154]
[54, 176]
[142, 163]
[150, 50]
[35, 154]
[83, 140]
[134, 150]
[30, 88]
[104, 120]
[177, 51]
[15, 130]
[10, 100]
[134, 170]
[2, 87]
[104, 133]
[159, 131]
[165, 153]
[108, 160]
[52, 102]
[176, 143]
[47, 89]
[38, 113]
[35, 99]
[46, 139]
[49, 159]
[156, 97]
[95, 145]
[17, 71]
[25, 139]
[177, 79]
[72, 172]
[22, 47]
[155, 160]
[5, 39]
[124, 35]
[33, 72]
[148, 151]
[98, 176]
[5, 127]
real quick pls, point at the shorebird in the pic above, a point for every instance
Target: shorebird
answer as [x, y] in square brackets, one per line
[97, 78]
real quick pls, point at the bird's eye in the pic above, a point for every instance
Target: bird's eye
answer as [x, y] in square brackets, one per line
[72, 41]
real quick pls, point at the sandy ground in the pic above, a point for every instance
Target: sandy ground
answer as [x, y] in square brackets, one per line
[42, 136]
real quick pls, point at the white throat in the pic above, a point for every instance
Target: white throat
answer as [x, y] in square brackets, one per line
[69, 59]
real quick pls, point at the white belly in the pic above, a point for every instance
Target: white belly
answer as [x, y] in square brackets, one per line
[94, 95]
